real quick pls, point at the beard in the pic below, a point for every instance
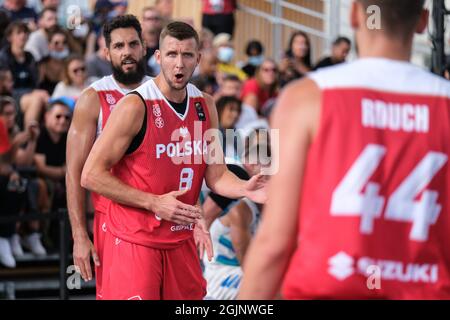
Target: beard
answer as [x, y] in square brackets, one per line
[132, 76]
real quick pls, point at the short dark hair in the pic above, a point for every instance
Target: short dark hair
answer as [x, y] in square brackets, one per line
[399, 17]
[231, 77]
[254, 45]
[125, 21]
[224, 101]
[16, 25]
[180, 31]
[41, 14]
[340, 40]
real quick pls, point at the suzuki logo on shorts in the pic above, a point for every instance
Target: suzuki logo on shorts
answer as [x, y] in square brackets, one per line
[342, 266]
[181, 227]
[104, 226]
[118, 241]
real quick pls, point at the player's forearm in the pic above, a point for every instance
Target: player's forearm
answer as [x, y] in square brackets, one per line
[263, 262]
[76, 196]
[105, 184]
[51, 172]
[226, 184]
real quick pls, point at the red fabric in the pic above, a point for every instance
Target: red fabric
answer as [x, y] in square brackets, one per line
[4, 138]
[334, 246]
[153, 168]
[108, 100]
[218, 6]
[251, 86]
[138, 272]
[99, 230]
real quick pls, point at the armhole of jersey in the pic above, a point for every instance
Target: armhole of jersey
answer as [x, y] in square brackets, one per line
[137, 140]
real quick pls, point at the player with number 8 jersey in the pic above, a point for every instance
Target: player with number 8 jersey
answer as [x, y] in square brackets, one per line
[152, 167]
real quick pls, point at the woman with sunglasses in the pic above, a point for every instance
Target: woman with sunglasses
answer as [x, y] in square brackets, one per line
[262, 87]
[74, 78]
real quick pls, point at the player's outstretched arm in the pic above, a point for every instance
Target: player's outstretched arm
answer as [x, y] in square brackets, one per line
[123, 125]
[80, 139]
[268, 256]
[222, 181]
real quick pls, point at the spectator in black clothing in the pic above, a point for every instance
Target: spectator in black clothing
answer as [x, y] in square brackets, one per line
[4, 22]
[17, 10]
[50, 155]
[25, 72]
[255, 54]
[218, 16]
[297, 61]
[341, 49]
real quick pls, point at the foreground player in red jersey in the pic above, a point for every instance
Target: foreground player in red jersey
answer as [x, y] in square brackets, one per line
[125, 51]
[364, 174]
[149, 247]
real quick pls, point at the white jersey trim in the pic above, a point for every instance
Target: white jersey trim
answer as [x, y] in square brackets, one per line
[384, 75]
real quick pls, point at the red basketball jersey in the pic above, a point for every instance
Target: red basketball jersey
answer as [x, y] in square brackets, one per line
[171, 157]
[109, 93]
[218, 6]
[374, 218]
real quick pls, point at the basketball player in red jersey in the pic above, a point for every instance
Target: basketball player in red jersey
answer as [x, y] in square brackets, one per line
[364, 174]
[149, 246]
[126, 53]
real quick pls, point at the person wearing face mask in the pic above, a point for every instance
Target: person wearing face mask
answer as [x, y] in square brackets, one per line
[52, 67]
[255, 54]
[225, 53]
[37, 43]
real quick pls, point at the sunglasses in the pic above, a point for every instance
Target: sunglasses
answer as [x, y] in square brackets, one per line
[269, 69]
[80, 69]
[66, 116]
[152, 18]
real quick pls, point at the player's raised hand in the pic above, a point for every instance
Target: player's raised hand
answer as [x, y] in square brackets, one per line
[169, 208]
[256, 188]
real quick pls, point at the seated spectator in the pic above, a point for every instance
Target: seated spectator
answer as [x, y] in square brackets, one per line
[52, 67]
[12, 191]
[218, 16]
[18, 11]
[97, 64]
[37, 43]
[255, 54]
[229, 85]
[165, 10]
[151, 38]
[74, 78]
[297, 61]
[50, 155]
[151, 19]
[23, 146]
[231, 235]
[24, 71]
[225, 53]
[262, 87]
[228, 111]
[341, 49]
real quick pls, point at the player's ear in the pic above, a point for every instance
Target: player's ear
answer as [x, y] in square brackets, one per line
[158, 56]
[199, 57]
[423, 21]
[106, 52]
[355, 22]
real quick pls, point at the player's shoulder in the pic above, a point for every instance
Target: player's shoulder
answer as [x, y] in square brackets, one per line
[103, 84]
[381, 74]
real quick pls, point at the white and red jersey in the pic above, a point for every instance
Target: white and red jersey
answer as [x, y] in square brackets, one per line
[171, 157]
[109, 93]
[374, 218]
